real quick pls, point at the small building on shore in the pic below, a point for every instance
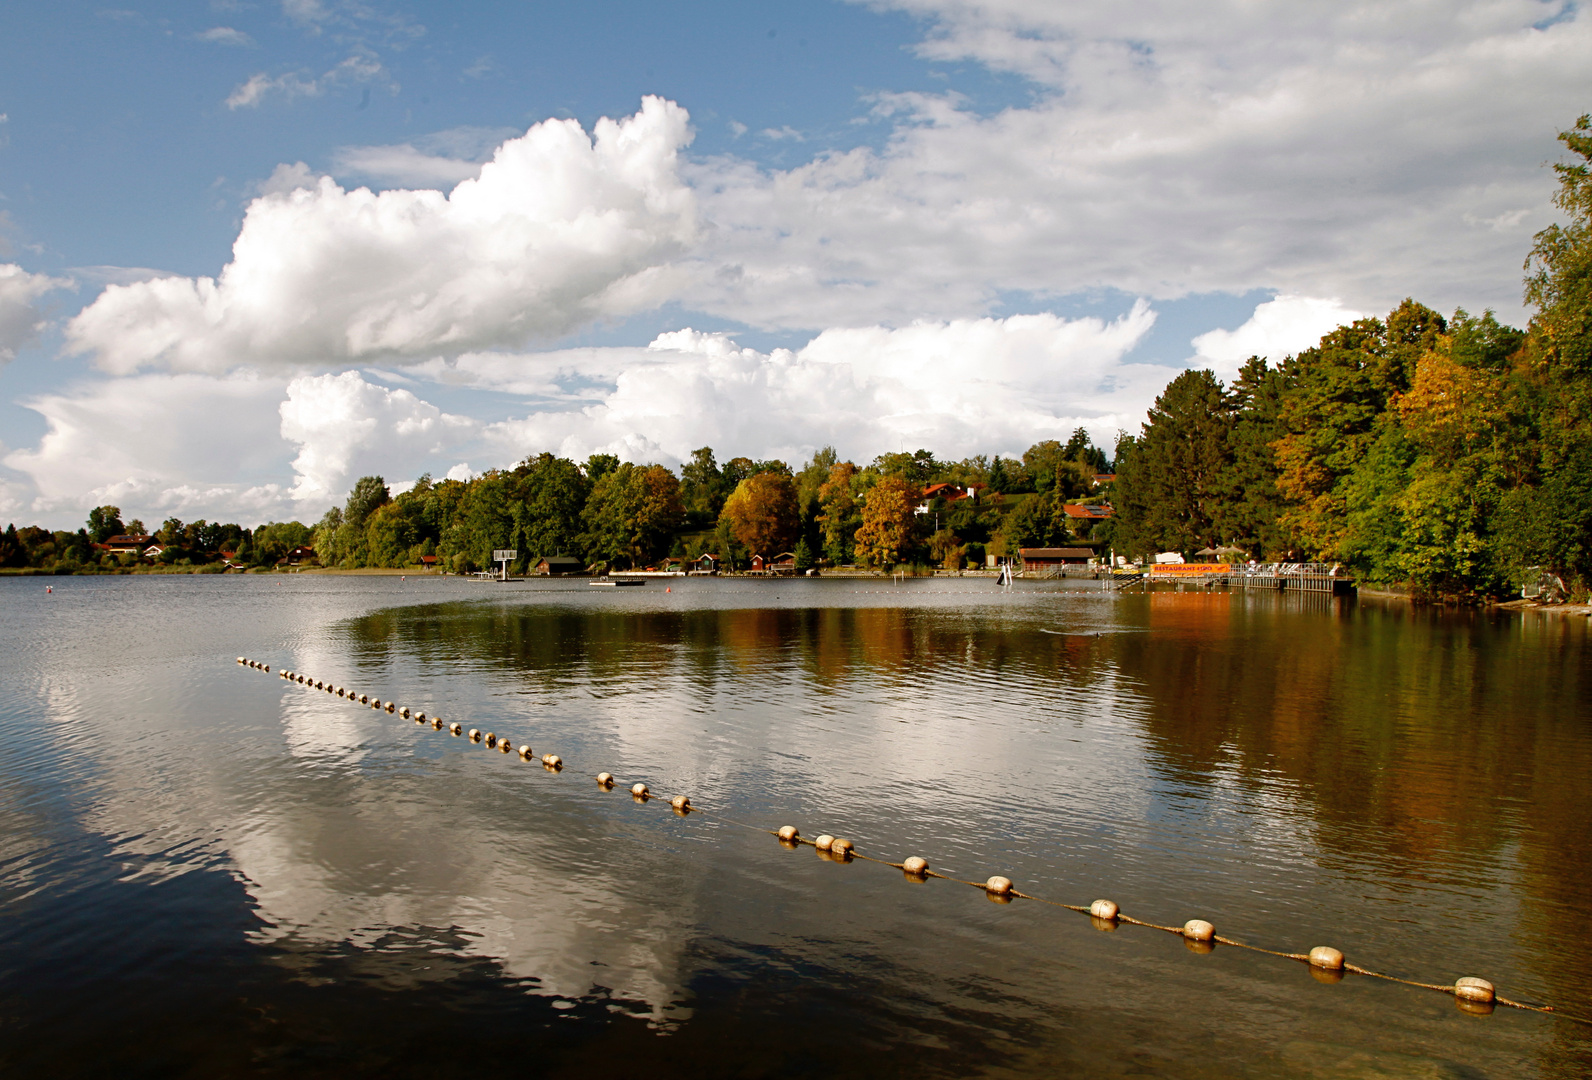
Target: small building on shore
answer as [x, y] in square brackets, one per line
[558, 566]
[298, 556]
[1051, 557]
[783, 563]
[704, 564]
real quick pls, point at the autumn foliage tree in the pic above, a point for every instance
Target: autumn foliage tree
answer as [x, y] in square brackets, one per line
[762, 513]
[886, 529]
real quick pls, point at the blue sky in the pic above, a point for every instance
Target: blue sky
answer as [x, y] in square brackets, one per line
[960, 225]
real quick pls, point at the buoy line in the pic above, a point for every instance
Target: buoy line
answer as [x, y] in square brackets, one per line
[1326, 964]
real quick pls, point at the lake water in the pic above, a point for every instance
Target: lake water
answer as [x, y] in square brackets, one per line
[207, 871]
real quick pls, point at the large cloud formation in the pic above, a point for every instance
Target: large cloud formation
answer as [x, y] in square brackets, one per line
[557, 230]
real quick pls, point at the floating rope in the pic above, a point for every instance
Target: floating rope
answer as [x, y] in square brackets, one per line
[1326, 963]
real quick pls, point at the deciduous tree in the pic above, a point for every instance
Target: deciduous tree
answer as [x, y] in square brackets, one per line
[839, 516]
[632, 512]
[886, 529]
[762, 512]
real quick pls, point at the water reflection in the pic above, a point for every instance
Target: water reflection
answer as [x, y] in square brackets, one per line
[1406, 785]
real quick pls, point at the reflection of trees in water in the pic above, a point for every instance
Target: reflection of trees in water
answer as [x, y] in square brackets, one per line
[1434, 745]
[1439, 745]
[828, 645]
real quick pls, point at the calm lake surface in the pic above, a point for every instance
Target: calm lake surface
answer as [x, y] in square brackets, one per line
[206, 871]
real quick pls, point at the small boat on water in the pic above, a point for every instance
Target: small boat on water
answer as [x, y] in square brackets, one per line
[617, 581]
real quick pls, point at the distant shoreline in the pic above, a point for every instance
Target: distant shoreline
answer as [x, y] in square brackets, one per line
[213, 569]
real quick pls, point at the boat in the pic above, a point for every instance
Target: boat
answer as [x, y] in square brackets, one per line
[617, 581]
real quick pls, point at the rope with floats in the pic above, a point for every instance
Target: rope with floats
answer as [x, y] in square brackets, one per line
[1326, 964]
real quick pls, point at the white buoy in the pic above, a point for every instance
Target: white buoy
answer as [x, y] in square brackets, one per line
[1199, 930]
[1104, 909]
[1326, 957]
[998, 886]
[789, 833]
[639, 790]
[915, 866]
[823, 842]
[605, 779]
[680, 803]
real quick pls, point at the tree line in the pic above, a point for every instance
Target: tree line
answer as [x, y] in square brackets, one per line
[610, 513]
[613, 514]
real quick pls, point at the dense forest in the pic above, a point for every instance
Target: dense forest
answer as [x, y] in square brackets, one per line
[1449, 456]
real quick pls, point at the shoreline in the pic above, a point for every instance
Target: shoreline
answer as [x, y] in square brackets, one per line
[212, 569]
[1517, 604]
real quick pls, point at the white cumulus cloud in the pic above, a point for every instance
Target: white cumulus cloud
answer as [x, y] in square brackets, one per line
[155, 445]
[559, 228]
[960, 387]
[1279, 327]
[346, 427]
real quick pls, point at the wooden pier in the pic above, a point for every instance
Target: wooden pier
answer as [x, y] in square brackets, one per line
[1292, 577]
[1317, 578]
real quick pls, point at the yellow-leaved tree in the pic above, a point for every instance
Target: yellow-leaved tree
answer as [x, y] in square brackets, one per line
[762, 513]
[886, 526]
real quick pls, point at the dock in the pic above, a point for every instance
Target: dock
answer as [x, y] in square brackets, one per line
[1320, 578]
